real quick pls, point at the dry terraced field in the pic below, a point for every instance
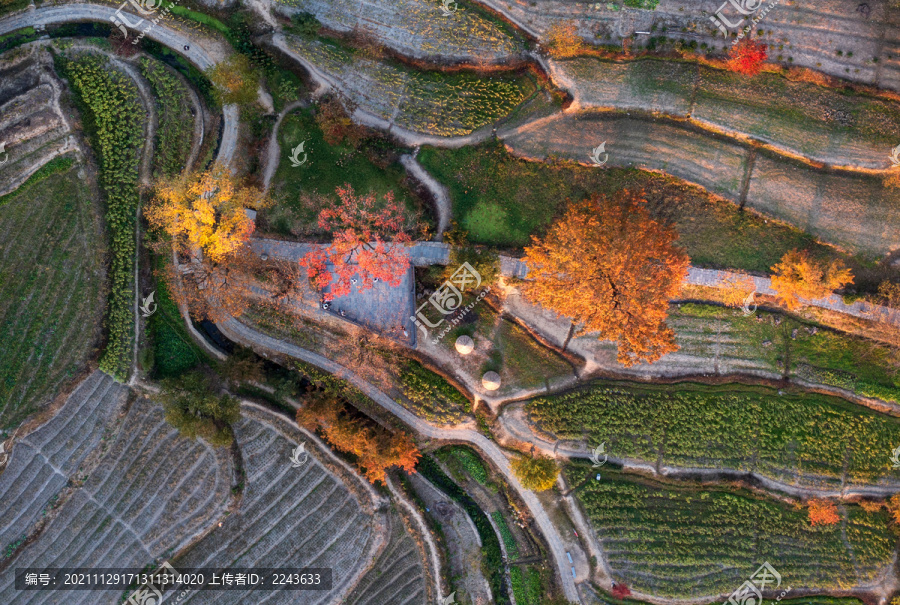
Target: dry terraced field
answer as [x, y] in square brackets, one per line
[32, 124]
[44, 460]
[317, 515]
[426, 102]
[417, 28]
[151, 492]
[854, 211]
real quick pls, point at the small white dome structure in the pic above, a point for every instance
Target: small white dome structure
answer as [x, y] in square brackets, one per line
[465, 345]
[491, 381]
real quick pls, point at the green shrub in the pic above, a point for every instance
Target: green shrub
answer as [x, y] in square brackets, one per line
[113, 119]
[435, 398]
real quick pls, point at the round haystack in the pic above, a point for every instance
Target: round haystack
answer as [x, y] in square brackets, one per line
[491, 381]
[465, 345]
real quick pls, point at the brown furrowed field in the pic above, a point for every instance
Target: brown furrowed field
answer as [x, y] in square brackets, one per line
[51, 289]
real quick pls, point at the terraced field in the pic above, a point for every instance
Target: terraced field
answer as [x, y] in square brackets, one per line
[150, 493]
[793, 437]
[421, 101]
[396, 576]
[51, 287]
[32, 123]
[44, 460]
[852, 211]
[317, 515]
[827, 125]
[654, 543]
[417, 28]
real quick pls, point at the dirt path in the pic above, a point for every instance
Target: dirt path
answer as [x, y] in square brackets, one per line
[273, 153]
[240, 333]
[438, 192]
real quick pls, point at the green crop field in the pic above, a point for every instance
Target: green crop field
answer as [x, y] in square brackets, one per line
[655, 541]
[788, 435]
[114, 119]
[176, 126]
[51, 287]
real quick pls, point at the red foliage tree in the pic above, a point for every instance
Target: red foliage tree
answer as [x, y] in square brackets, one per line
[747, 56]
[368, 242]
[620, 590]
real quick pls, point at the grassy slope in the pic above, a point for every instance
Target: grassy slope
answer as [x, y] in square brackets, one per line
[503, 200]
[326, 168]
[654, 543]
[50, 289]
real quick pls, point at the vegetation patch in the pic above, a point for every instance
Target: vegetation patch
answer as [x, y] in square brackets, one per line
[503, 200]
[786, 435]
[372, 166]
[172, 351]
[175, 133]
[110, 106]
[654, 543]
[434, 398]
[428, 102]
[51, 287]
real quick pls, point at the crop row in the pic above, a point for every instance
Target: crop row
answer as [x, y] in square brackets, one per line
[785, 435]
[114, 121]
[173, 139]
[654, 543]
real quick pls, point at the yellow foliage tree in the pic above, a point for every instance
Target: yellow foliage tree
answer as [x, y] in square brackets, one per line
[234, 80]
[800, 276]
[206, 211]
[563, 40]
[608, 265]
[736, 289]
[537, 473]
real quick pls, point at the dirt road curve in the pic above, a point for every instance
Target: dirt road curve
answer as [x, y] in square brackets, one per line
[240, 333]
[202, 53]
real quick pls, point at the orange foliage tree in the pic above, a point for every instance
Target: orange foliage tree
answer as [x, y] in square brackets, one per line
[610, 266]
[205, 211]
[335, 122]
[736, 289]
[563, 40]
[747, 56]
[823, 512]
[368, 241]
[375, 448]
[798, 276]
[893, 506]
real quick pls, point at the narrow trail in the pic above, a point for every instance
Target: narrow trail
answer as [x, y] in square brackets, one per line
[438, 192]
[273, 152]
